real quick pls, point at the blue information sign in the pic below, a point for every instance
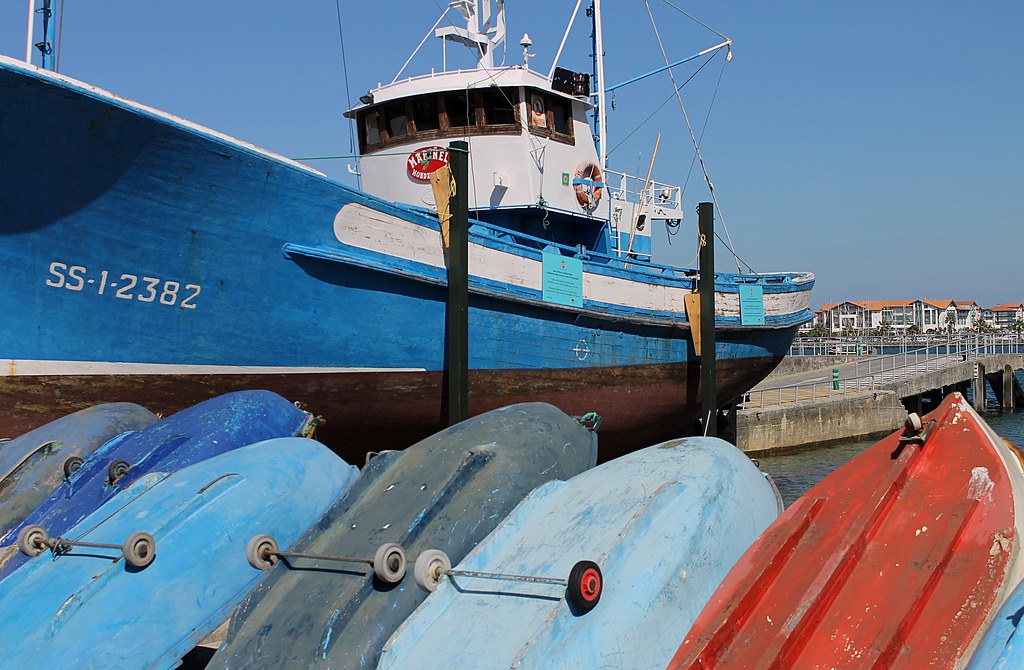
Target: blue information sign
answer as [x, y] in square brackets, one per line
[563, 280]
[751, 305]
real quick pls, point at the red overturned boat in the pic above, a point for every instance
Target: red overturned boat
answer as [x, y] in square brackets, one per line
[899, 559]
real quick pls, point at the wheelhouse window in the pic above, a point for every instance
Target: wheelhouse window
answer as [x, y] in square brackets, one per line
[499, 106]
[550, 116]
[440, 116]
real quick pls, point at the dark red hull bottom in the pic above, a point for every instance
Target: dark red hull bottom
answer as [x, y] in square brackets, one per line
[373, 411]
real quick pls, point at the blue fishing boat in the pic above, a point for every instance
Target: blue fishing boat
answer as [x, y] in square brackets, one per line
[33, 465]
[142, 260]
[999, 648]
[445, 492]
[171, 562]
[213, 427]
[657, 530]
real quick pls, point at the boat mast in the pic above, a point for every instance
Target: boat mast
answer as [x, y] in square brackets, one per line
[600, 123]
[46, 46]
[28, 40]
[484, 30]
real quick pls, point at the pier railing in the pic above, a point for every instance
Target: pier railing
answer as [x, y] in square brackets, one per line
[874, 372]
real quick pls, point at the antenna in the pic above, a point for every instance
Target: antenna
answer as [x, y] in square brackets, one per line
[526, 43]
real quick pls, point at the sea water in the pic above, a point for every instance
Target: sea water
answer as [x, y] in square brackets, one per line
[796, 473]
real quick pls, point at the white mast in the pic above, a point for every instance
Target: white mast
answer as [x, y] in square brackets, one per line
[602, 124]
[28, 41]
[482, 38]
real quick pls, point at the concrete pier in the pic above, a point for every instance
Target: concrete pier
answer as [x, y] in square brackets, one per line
[803, 408]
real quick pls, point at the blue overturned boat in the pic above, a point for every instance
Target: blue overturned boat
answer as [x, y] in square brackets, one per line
[33, 465]
[212, 427]
[140, 259]
[592, 572]
[999, 648]
[445, 492]
[147, 576]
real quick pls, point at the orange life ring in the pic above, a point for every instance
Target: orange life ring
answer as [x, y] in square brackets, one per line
[588, 184]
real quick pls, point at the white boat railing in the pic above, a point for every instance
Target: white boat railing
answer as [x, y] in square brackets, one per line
[876, 372]
[657, 195]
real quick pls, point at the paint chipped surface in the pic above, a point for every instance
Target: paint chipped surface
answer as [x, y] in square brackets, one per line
[980, 486]
[1000, 543]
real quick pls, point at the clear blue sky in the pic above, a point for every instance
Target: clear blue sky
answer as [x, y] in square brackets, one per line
[876, 144]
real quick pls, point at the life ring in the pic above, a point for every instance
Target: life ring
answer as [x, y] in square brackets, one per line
[588, 184]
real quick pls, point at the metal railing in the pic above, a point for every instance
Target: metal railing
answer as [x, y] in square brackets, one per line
[875, 344]
[871, 373]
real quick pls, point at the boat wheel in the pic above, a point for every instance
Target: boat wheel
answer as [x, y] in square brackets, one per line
[72, 465]
[389, 563]
[32, 540]
[117, 470]
[261, 552]
[139, 549]
[430, 568]
[585, 586]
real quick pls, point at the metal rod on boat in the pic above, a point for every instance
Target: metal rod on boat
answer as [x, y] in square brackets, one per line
[458, 286]
[706, 288]
[31, 26]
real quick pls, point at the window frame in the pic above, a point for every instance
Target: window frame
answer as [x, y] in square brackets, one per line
[444, 130]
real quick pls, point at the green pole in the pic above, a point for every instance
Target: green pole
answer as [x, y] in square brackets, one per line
[458, 286]
[706, 288]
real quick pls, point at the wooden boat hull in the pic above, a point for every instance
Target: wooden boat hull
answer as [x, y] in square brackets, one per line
[447, 492]
[89, 609]
[193, 434]
[665, 524]
[32, 465]
[897, 560]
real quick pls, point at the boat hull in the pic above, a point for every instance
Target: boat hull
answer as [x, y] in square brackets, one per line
[665, 524]
[196, 433]
[897, 560]
[181, 254]
[374, 411]
[447, 491]
[88, 609]
[1000, 649]
[32, 465]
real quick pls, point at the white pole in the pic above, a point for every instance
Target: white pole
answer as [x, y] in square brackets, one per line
[602, 130]
[558, 54]
[28, 41]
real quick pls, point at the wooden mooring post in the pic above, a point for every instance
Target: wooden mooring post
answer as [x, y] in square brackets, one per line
[706, 288]
[458, 287]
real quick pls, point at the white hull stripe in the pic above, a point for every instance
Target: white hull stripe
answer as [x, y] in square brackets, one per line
[366, 228]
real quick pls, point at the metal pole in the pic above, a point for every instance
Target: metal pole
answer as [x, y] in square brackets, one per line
[458, 286]
[706, 288]
[31, 26]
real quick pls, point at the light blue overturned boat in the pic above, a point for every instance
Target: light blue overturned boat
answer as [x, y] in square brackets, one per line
[1000, 649]
[447, 491]
[210, 428]
[89, 607]
[662, 526]
[33, 465]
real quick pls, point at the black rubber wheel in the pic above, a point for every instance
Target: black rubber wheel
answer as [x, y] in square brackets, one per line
[117, 470]
[139, 549]
[585, 586]
[32, 540]
[71, 466]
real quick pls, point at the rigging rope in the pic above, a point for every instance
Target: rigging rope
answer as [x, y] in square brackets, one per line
[344, 68]
[689, 126]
